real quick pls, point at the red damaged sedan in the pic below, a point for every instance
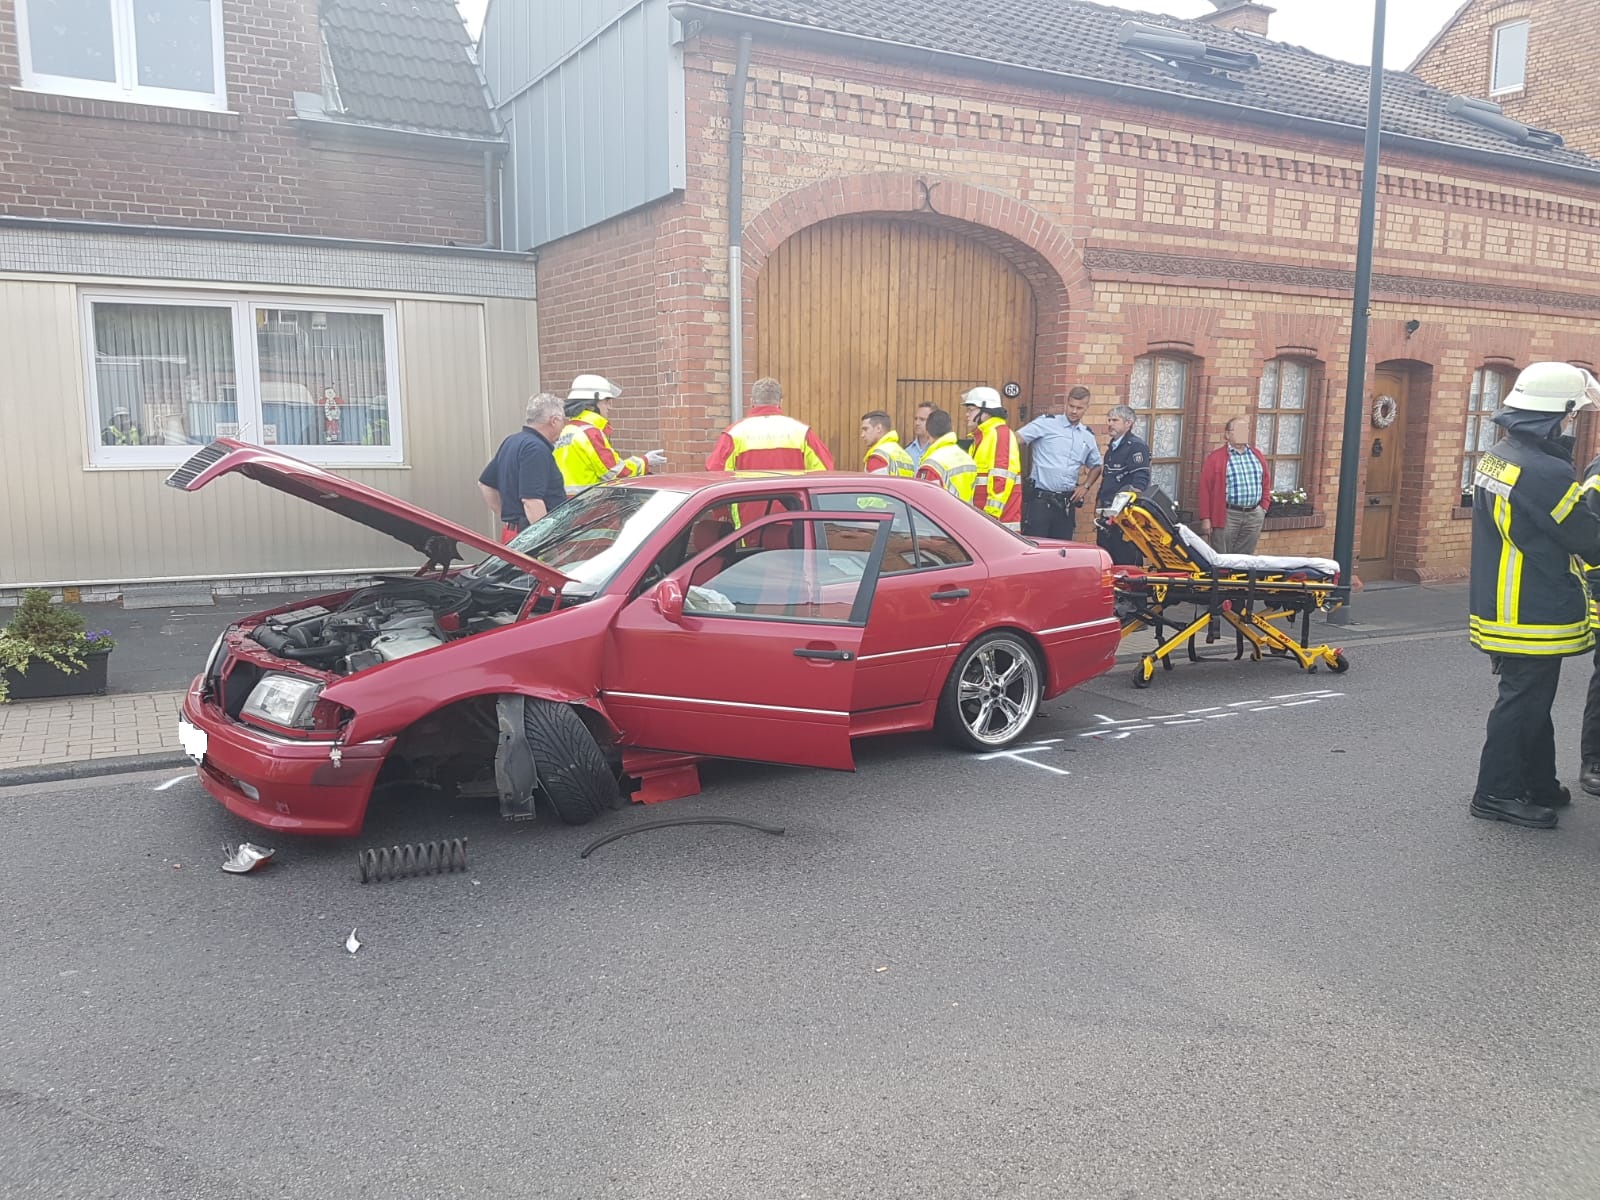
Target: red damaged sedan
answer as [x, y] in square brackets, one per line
[638, 628]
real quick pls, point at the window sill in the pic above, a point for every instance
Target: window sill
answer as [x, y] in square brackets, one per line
[123, 110]
[169, 466]
[1516, 93]
[1314, 521]
[1460, 514]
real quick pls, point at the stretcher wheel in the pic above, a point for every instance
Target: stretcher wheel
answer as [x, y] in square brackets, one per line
[1337, 662]
[1144, 672]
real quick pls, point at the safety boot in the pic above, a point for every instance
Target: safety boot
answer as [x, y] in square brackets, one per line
[1589, 781]
[1560, 798]
[1516, 812]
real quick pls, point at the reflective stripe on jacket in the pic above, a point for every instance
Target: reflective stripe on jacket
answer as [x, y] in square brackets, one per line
[889, 457]
[1532, 532]
[767, 440]
[584, 454]
[948, 465]
[999, 461]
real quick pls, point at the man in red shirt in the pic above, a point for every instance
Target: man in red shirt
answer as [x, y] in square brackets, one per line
[1235, 491]
[766, 440]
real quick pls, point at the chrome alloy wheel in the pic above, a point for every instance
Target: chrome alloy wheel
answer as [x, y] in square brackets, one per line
[998, 691]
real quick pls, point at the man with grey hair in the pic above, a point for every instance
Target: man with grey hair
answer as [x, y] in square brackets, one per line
[768, 440]
[1126, 468]
[522, 482]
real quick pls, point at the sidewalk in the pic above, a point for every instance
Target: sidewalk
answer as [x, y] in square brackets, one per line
[135, 726]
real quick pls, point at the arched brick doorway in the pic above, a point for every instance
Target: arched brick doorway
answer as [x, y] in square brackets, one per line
[858, 313]
[937, 267]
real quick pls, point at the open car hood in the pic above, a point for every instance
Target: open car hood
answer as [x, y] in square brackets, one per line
[439, 539]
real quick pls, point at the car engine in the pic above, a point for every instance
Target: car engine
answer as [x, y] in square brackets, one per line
[379, 624]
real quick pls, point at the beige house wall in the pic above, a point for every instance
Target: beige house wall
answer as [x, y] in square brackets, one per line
[466, 368]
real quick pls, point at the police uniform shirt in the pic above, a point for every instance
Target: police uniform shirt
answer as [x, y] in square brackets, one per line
[1061, 451]
[1127, 468]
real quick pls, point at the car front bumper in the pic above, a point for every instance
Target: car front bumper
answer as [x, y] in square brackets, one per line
[282, 783]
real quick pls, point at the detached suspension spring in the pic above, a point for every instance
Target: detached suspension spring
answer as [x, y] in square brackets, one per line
[423, 858]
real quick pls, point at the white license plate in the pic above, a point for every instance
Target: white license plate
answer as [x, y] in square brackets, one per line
[192, 740]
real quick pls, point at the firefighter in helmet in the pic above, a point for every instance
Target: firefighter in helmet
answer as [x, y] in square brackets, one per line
[1534, 526]
[583, 451]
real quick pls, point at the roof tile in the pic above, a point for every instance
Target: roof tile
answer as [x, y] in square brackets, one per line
[1071, 37]
[406, 64]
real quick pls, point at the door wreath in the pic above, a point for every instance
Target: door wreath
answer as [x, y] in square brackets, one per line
[1384, 411]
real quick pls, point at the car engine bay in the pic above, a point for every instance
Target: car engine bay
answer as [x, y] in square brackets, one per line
[389, 620]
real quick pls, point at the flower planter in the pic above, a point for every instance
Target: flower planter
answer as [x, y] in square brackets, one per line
[42, 681]
[1291, 510]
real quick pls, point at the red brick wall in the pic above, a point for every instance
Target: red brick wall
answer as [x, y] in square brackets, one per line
[1559, 93]
[251, 170]
[1140, 230]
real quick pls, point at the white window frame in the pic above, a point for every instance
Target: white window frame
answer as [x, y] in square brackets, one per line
[247, 375]
[126, 88]
[1494, 58]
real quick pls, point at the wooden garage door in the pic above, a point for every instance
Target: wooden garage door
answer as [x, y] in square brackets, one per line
[862, 313]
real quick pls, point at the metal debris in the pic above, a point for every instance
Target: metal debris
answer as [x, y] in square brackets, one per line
[246, 857]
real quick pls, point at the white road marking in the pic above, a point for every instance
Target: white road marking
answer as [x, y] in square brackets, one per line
[1020, 756]
[1295, 703]
[161, 787]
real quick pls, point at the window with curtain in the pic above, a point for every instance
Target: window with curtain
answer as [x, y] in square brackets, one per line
[1158, 393]
[1489, 385]
[1283, 405]
[167, 375]
[166, 52]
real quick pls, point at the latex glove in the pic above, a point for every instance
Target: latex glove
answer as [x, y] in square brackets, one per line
[656, 459]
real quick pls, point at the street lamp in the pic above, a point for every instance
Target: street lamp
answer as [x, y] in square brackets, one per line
[1355, 388]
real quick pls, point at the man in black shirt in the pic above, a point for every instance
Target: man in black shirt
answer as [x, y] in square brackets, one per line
[1127, 468]
[522, 482]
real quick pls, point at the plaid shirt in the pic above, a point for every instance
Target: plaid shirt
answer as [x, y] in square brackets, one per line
[1244, 478]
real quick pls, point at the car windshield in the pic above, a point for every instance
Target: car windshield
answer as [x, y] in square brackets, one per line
[588, 538]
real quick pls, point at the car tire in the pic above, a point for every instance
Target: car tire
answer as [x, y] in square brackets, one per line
[1001, 659]
[573, 773]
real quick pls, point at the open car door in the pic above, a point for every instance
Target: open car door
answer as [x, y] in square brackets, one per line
[749, 650]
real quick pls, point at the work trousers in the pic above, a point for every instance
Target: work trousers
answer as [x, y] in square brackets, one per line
[1591, 715]
[1240, 532]
[1048, 518]
[1519, 748]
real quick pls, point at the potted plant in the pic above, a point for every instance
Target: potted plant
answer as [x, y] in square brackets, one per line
[1291, 502]
[45, 651]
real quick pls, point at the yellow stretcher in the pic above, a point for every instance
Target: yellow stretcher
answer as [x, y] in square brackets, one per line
[1249, 592]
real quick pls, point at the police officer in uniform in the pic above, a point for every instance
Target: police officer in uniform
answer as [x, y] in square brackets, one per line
[1533, 529]
[1126, 468]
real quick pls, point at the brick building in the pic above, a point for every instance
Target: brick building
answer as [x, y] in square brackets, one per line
[272, 219]
[1533, 58]
[925, 203]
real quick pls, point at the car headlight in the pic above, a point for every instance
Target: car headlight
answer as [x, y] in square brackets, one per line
[285, 700]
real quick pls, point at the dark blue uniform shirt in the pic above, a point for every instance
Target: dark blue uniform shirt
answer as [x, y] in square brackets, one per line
[1127, 468]
[524, 468]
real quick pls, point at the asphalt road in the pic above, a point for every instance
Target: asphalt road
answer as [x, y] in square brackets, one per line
[1265, 954]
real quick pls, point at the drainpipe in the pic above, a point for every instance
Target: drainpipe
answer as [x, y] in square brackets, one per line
[736, 90]
[489, 239]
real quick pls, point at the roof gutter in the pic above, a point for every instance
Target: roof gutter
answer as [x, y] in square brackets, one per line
[311, 113]
[779, 30]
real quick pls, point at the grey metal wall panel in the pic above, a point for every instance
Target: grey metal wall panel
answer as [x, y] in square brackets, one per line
[591, 95]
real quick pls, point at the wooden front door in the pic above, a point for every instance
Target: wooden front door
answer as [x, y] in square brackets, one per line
[1385, 463]
[864, 313]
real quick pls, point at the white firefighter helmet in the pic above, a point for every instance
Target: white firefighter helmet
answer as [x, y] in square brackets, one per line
[593, 387]
[985, 398]
[1553, 387]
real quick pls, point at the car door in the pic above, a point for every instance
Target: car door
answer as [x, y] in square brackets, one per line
[926, 592]
[749, 650]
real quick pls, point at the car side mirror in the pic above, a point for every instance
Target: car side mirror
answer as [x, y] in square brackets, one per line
[668, 598]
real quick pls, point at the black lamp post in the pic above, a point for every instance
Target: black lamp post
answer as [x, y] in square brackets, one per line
[1355, 388]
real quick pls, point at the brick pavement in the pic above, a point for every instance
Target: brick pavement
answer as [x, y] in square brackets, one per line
[38, 733]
